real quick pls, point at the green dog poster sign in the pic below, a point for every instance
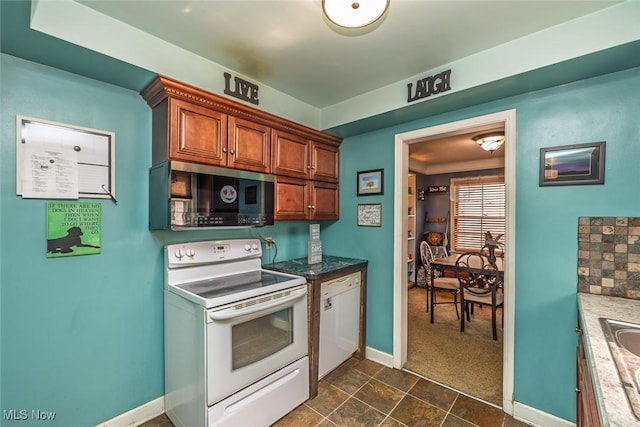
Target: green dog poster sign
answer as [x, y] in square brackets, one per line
[73, 228]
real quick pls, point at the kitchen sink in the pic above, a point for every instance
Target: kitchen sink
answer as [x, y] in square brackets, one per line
[623, 339]
[629, 339]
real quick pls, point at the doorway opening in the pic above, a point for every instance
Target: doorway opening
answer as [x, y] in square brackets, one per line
[507, 121]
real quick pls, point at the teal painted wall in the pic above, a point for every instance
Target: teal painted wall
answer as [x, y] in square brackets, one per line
[375, 244]
[601, 109]
[83, 336]
[598, 109]
[80, 335]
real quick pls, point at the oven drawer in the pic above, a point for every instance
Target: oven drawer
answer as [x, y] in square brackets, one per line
[266, 401]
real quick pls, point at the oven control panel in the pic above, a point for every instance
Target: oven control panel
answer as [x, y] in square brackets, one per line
[207, 252]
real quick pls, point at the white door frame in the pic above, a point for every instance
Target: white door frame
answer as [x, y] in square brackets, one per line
[402, 142]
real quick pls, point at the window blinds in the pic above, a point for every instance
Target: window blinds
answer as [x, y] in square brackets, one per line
[478, 207]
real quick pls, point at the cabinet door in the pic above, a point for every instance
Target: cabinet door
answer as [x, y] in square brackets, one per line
[249, 145]
[290, 155]
[292, 198]
[198, 134]
[586, 404]
[324, 162]
[324, 201]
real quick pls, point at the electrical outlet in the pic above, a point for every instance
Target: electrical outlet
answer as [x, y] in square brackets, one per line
[268, 242]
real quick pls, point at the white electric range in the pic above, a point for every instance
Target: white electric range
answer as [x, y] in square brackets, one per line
[235, 336]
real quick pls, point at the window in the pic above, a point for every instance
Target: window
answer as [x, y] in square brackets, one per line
[478, 207]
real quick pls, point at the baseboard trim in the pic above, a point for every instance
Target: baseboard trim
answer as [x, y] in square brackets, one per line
[137, 416]
[537, 417]
[385, 359]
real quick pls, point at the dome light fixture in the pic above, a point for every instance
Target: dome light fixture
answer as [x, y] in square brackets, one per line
[490, 141]
[354, 13]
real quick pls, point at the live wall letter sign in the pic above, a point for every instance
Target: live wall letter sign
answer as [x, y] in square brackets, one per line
[243, 89]
[428, 86]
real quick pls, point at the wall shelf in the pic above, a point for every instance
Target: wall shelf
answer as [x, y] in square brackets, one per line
[411, 229]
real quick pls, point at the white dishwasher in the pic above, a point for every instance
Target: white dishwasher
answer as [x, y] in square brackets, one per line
[339, 321]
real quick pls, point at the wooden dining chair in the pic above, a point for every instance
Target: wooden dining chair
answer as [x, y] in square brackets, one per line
[439, 283]
[480, 281]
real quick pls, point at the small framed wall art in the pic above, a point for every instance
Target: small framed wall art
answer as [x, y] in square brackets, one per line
[578, 164]
[371, 182]
[370, 215]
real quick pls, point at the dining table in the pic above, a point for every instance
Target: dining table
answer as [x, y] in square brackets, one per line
[448, 264]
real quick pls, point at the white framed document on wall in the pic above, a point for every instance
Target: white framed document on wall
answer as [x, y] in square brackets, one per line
[62, 161]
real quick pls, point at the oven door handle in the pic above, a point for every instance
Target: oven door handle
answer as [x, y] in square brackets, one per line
[232, 312]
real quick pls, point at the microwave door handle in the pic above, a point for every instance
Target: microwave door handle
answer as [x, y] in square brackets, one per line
[231, 313]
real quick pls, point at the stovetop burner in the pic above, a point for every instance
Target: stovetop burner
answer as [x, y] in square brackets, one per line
[234, 284]
[214, 273]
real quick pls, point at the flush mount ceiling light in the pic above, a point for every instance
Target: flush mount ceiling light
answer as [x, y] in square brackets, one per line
[490, 141]
[354, 13]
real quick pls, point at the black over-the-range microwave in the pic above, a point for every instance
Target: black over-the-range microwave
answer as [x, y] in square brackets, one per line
[185, 196]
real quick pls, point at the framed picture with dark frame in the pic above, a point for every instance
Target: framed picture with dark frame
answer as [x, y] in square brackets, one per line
[370, 182]
[578, 164]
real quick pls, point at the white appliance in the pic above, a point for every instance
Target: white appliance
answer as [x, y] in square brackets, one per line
[339, 321]
[235, 336]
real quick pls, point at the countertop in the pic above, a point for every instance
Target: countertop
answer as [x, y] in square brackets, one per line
[612, 401]
[328, 265]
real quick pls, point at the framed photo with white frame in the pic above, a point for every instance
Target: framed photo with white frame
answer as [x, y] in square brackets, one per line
[370, 215]
[88, 153]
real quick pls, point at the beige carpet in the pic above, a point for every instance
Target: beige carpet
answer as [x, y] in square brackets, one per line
[470, 361]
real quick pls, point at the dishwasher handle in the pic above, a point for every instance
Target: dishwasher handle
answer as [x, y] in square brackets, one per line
[355, 278]
[340, 285]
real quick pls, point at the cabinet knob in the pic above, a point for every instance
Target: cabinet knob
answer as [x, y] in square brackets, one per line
[578, 330]
[232, 151]
[224, 150]
[310, 207]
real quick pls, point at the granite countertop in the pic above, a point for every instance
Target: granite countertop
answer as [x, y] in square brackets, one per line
[329, 264]
[612, 401]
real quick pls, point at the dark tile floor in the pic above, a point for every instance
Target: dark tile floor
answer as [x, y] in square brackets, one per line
[365, 393]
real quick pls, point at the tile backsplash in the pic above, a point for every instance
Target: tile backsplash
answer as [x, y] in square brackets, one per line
[609, 256]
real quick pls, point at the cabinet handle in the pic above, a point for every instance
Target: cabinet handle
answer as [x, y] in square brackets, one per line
[224, 150]
[578, 330]
[310, 207]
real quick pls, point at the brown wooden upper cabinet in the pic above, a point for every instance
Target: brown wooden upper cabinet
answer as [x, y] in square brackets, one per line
[249, 145]
[203, 135]
[300, 157]
[193, 125]
[302, 199]
[306, 178]
[196, 134]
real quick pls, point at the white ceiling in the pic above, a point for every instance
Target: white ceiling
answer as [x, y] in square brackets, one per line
[288, 46]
